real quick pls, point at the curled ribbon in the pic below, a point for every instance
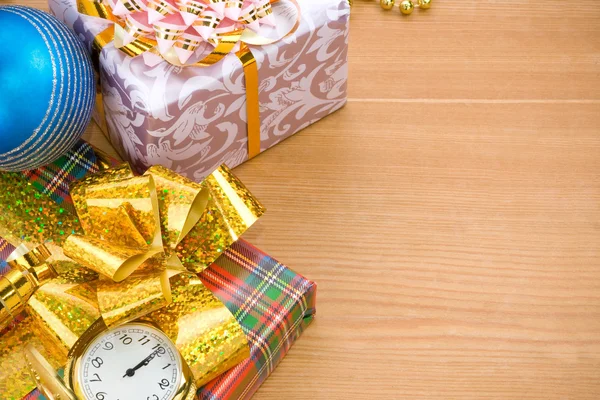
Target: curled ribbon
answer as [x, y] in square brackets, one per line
[177, 29]
[144, 240]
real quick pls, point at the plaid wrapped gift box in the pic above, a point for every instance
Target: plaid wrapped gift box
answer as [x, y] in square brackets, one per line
[272, 303]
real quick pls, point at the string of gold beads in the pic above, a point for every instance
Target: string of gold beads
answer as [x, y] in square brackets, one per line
[406, 6]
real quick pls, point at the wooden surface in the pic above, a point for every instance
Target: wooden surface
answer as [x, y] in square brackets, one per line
[450, 213]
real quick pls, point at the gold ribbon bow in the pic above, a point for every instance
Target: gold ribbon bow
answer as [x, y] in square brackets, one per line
[224, 43]
[145, 239]
[139, 229]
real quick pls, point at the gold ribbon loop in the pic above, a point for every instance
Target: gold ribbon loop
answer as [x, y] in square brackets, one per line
[181, 204]
[203, 329]
[122, 223]
[133, 298]
[79, 190]
[66, 306]
[133, 199]
[113, 261]
[230, 211]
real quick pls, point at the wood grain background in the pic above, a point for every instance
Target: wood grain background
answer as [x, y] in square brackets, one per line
[450, 213]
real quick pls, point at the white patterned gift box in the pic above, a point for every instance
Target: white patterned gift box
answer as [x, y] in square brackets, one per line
[192, 119]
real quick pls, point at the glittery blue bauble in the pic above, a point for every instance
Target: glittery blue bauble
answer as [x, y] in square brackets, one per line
[47, 88]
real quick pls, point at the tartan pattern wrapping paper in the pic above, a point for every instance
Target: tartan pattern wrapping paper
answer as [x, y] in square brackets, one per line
[272, 303]
[53, 179]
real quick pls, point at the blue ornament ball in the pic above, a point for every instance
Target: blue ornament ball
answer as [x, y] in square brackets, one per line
[47, 88]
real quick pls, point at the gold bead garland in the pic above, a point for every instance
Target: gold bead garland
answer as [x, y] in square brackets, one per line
[406, 6]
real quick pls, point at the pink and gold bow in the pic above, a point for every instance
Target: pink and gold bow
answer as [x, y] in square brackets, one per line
[177, 29]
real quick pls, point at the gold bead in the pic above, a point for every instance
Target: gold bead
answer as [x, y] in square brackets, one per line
[407, 7]
[425, 4]
[387, 4]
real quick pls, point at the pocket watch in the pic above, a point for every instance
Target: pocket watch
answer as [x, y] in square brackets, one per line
[134, 361]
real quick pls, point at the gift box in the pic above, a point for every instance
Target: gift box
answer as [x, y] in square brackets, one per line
[272, 304]
[192, 119]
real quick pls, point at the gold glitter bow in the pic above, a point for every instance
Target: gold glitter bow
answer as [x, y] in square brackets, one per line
[139, 243]
[224, 44]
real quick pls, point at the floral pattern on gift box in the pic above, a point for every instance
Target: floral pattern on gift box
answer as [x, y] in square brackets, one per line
[193, 119]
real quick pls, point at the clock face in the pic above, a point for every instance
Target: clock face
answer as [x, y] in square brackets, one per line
[131, 362]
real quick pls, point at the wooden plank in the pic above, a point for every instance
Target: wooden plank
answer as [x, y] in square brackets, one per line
[446, 358]
[514, 49]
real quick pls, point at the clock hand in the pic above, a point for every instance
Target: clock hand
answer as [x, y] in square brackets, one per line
[144, 362]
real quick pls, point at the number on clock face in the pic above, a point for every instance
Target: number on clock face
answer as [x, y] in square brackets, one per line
[133, 361]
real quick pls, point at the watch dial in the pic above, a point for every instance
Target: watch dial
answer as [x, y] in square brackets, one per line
[131, 362]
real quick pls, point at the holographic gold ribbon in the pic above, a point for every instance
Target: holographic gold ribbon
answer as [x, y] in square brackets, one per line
[225, 44]
[135, 225]
[139, 243]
